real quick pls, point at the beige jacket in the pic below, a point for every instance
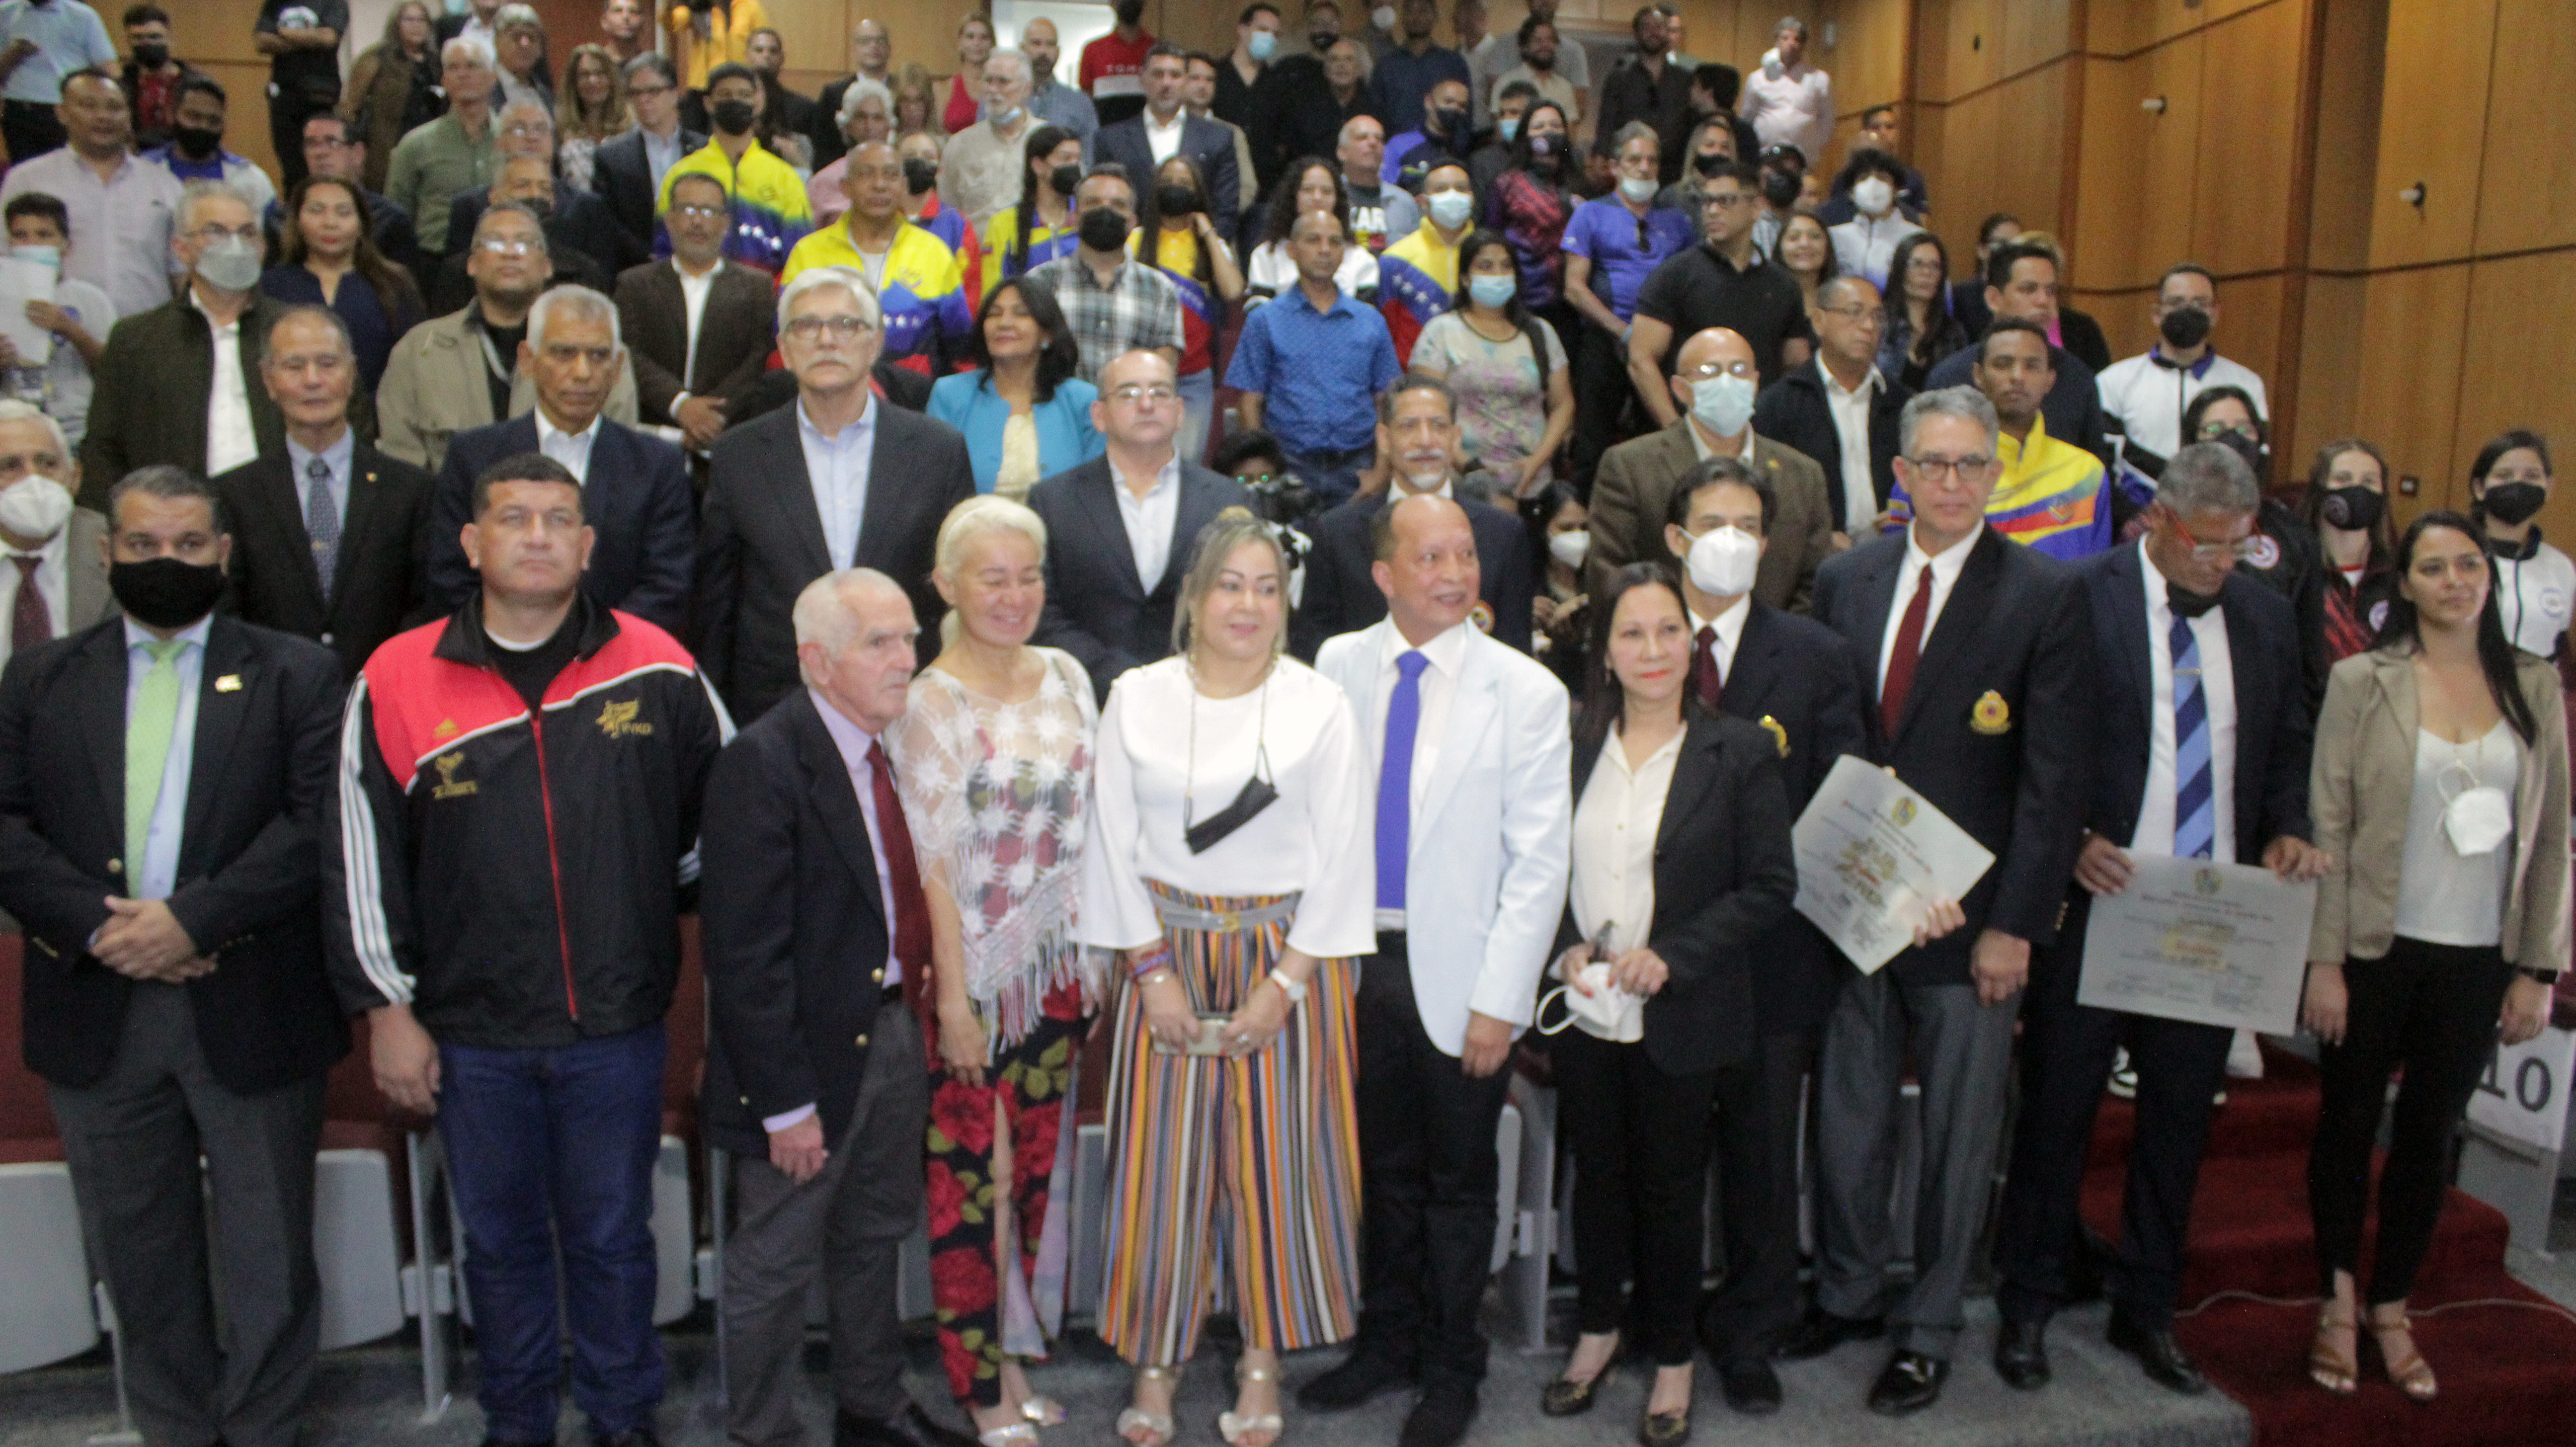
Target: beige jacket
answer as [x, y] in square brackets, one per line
[1634, 486]
[434, 389]
[2360, 786]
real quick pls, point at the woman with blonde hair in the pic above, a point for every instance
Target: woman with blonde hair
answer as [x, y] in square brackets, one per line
[994, 757]
[590, 109]
[1229, 864]
[916, 104]
[966, 87]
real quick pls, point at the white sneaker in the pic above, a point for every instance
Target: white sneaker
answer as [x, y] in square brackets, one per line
[2244, 1057]
[2124, 1076]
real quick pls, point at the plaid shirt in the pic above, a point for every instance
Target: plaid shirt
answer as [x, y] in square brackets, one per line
[1139, 308]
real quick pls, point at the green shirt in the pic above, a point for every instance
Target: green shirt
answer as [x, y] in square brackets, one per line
[431, 165]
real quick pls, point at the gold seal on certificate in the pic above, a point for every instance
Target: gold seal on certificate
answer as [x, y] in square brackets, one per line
[2213, 944]
[1870, 852]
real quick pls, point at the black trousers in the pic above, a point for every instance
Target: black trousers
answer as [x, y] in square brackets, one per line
[1756, 1140]
[30, 129]
[2066, 1056]
[1427, 1180]
[1602, 389]
[1640, 1140]
[2432, 1009]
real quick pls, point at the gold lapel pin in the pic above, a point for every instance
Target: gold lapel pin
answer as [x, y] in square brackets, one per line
[229, 683]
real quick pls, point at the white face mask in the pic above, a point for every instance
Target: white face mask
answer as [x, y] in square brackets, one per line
[1570, 548]
[1383, 17]
[1873, 195]
[1448, 208]
[1638, 189]
[1722, 562]
[1608, 1013]
[2478, 818]
[34, 507]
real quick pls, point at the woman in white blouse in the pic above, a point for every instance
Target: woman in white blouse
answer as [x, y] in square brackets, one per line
[1681, 862]
[994, 754]
[1229, 864]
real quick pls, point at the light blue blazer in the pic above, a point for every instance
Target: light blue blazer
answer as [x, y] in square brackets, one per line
[965, 401]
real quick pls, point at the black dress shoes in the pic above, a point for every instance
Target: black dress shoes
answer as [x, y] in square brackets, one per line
[2021, 1354]
[1911, 1383]
[1750, 1385]
[1362, 1375]
[2166, 1363]
[912, 1427]
[1440, 1417]
[1820, 1331]
[1566, 1398]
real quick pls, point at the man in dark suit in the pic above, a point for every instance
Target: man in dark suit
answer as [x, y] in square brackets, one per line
[817, 942]
[626, 170]
[331, 538]
[2171, 618]
[1100, 606]
[1838, 397]
[578, 228]
[1793, 677]
[834, 482]
[1417, 429]
[1206, 142]
[175, 998]
[691, 363]
[635, 489]
[2022, 281]
[1976, 654]
[477, 18]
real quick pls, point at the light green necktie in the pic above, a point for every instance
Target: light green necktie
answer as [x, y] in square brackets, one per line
[148, 730]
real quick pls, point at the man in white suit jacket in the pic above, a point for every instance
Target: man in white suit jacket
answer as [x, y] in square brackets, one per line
[1474, 822]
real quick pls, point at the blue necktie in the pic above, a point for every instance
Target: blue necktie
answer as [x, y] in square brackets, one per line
[2195, 802]
[1395, 779]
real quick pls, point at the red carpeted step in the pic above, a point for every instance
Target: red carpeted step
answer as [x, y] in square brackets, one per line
[2261, 1117]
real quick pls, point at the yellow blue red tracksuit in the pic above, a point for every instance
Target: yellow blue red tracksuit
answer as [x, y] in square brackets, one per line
[2053, 496]
[922, 293]
[1417, 279]
[770, 210]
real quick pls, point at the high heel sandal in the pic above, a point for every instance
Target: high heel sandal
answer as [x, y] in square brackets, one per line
[1234, 1428]
[2411, 1375]
[2337, 1372]
[1043, 1411]
[1157, 1426]
[1015, 1434]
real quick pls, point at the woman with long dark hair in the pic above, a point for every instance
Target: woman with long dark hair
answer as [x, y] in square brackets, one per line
[323, 248]
[592, 108]
[1023, 412]
[1040, 227]
[1921, 327]
[1174, 212]
[2347, 503]
[1805, 250]
[1666, 906]
[2440, 791]
[394, 88]
[1560, 534]
[1506, 367]
[1531, 202]
[2535, 583]
[1310, 183]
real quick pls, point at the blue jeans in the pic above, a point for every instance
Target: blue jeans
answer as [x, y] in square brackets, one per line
[1332, 476]
[1198, 409]
[556, 1147]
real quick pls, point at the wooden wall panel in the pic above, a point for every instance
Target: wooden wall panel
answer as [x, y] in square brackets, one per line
[2530, 131]
[2411, 346]
[2104, 230]
[2514, 373]
[1973, 54]
[2249, 134]
[2433, 121]
[2347, 133]
[2002, 149]
[2036, 32]
[2327, 392]
[2168, 179]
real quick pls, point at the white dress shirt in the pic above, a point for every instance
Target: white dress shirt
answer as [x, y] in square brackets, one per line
[1150, 519]
[52, 584]
[2218, 692]
[1730, 634]
[1615, 824]
[837, 469]
[1165, 141]
[1945, 576]
[572, 449]
[230, 441]
[1850, 409]
[157, 874]
[693, 296]
[1446, 655]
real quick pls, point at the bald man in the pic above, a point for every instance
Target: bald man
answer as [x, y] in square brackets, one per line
[1712, 387]
[1051, 101]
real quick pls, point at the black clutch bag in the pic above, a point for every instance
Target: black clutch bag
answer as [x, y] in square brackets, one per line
[1207, 833]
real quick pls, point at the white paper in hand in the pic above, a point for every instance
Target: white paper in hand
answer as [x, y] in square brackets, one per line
[20, 283]
[2213, 944]
[1870, 851]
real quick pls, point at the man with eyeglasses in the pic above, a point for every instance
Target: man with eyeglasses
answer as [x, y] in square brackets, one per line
[1977, 685]
[871, 58]
[458, 152]
[529, 181]
[2144, 397]
[174, 383]
[920, 283]
[698, 326]
[629, 169]
[333, 149]
[1713, 391]
[1840, 410]
[1111, 591]
[2048, 496]
[577, 221]
[461, 371]
[1722, 282]
[838, 480]
[981, 168]
[1612, 244]
[2022, 281]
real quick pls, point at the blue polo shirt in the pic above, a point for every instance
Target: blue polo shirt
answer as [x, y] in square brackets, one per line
[1605, 232]
[1318, 373]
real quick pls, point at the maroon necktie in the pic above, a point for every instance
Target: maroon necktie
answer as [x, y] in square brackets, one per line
[911, 907]
[1902, 658]
[30, 623]
[1704, 676]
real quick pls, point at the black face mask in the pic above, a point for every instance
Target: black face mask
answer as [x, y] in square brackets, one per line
[541, 207]
[1450, 120]
[165, 592]
[2353, 509]
[1063, 179]
[195, 142]
[1779, 189]
[1709, 164]
[1319, 41]
[2184, 327]
[920, 175]
[1172, 199]
[734, 117]
[1129, 12]
[2186, 603]
[1104, 229]
[151, 57]
[2513, 503]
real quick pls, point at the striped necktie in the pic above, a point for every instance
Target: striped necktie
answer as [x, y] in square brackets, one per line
[322, 522]
[2195, 800]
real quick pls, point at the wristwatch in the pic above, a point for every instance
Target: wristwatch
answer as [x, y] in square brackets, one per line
[1295, 990]
[2546, 977]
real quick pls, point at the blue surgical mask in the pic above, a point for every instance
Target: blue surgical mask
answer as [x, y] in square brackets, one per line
[1508, 127]
[51, 256]
[1493, 291]
[1723, 404]
[1448, 208]
[1261, 45]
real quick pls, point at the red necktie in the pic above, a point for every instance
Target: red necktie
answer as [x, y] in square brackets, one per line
[1704, 676]
[911, 907]
[1902, 658]
[31, 623]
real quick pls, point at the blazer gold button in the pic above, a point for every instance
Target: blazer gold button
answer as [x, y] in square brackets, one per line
[863, 1042]
[746, 1100]
[877, 975]
[116, 866]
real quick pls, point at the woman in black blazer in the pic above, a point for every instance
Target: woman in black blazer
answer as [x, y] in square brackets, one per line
[1681, 862]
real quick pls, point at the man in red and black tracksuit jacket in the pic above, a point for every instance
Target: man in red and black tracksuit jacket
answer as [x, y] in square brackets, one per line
[517, 813]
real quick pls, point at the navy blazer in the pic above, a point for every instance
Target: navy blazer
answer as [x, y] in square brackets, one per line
[636, 497]
[1796, 412]
[1202, 140]
[1341, 596]
[1097, 608]
[2274, 731]
[623, 176]
[2011, 769]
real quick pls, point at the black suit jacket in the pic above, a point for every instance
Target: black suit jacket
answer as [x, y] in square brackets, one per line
[793, 928]
[623, 176]
[1341, 597]
[452, 290]
[451, 26]
[761, 540]
[2072, 408]
[1796, 412]
[1205, 141]
[250, 862]
[734, 333]
[635, 495]
[1795, 673]
[380, 580]
[1724, 878]
[2274, 731]
[2017, 627]
[1097, 608]
[581, 221]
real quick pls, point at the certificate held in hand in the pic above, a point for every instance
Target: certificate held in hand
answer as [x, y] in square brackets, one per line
[2212, 944]
[1871, 852]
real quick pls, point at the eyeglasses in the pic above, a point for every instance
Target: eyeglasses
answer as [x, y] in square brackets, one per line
[2201, 552]
[843, 328]
[1937, 469]
[648, 92]
[508, 246]
[692, 210]
[2212, 431]
[526, 128]
[325, 143]
[1711, 371]
[1133, 394]
[217, 235]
